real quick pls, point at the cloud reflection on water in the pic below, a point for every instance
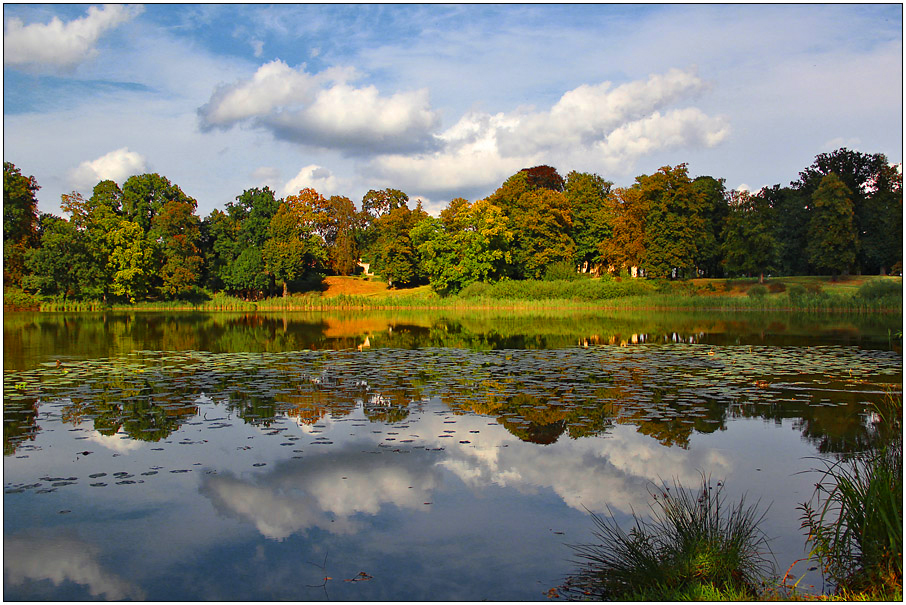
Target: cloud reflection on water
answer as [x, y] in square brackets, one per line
[329, 491]
[323, 492]
[61, 559]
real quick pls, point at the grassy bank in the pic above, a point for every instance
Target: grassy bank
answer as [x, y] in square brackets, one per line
[860, 294]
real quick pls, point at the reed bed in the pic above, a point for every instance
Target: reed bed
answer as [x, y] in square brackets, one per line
[694, 545]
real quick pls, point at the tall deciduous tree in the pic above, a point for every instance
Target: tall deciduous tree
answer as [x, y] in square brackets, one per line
[393, 253]
[344, 223]
[173, 238]
[625, 248]
[177, 228]
[97, 218]
[750, 245]
[859, 172]
[791, 210]
[144, 196]
[882, 245]
[375, 204]
[133, 261]
[292, 247]
[715, 208]
[589, 198]
[20, 221]
[542, 225]
[234, 239]
[831, 234]
[674, 224]
[60, 263]
[467, 244]
[540, 218]
[312, 211]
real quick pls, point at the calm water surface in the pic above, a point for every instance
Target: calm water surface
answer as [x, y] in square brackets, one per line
[404, 456]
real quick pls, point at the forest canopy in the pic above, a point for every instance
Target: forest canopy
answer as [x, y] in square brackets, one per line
[143, 240]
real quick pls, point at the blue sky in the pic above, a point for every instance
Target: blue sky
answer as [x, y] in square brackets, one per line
[440, 101]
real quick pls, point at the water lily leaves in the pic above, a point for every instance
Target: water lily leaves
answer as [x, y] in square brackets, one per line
[669, 390]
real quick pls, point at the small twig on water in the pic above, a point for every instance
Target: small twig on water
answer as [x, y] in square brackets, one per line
[323, 584]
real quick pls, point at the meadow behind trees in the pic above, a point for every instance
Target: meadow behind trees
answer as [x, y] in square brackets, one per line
[142, 241]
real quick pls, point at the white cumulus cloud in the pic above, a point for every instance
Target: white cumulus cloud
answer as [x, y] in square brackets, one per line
[470, 158]
[116, 166]
[317, 177]
[614, 126]
[59, 44]
[675, 128]
[590, 112]
[323, 110]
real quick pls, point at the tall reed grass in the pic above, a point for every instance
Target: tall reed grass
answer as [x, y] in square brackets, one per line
[855, 517]
[693, 544]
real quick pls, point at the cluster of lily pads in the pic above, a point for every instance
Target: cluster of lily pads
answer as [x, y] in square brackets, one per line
[668, 391]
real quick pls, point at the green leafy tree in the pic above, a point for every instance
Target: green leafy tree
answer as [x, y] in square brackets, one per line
[750, 243]
[144, 196]
[97, 218]
[542, 226]
[166, 217]
[832, 236]
[133, 261]
[882, 244]
[540, 220]
[20, 222]
[217, 242]
[60, 263]
[437, 255]
[674, 224]
[859, 172]
[248, 274]
[791, 211]
[233, 241]
[589, 197]
[292, 248]
[375, 204]
[715, 209]
[394, 255]
[467, 244]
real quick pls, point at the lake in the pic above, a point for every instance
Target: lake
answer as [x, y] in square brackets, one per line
[418, 455]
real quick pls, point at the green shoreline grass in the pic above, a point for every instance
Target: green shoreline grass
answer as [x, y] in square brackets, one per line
[793, 294]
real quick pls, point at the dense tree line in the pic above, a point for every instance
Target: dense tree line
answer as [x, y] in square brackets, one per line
[144, 241]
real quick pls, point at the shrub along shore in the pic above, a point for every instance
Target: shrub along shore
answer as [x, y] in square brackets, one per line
[811, 294]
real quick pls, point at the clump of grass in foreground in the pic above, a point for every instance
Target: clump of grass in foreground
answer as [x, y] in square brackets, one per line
[694, 546]
[856, 532]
